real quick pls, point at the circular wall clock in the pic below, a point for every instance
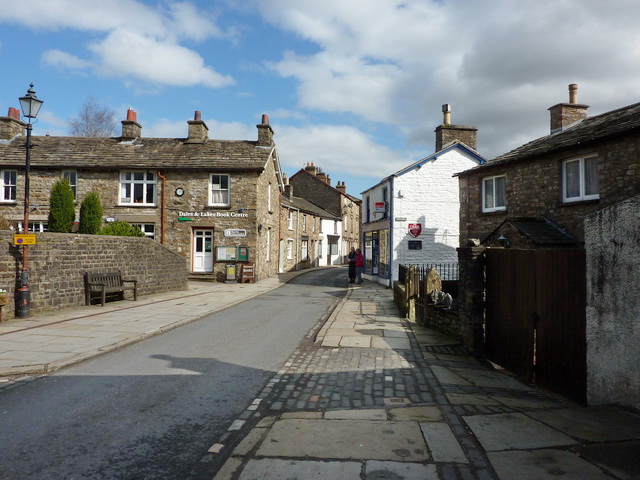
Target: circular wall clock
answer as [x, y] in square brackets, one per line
[179, 191]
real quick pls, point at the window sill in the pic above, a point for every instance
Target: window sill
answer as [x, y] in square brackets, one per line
[218, 207]
[494, 213]
[141, 205]
[579, 202]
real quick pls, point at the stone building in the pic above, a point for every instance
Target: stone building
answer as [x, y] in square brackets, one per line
[302, 235]
[537, 195]
[411, 216]
[216, 202]
[314, 185]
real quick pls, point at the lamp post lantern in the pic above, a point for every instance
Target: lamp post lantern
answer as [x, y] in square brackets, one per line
[30, 105]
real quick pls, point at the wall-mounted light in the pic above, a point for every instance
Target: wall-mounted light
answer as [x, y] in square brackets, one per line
[504, 241]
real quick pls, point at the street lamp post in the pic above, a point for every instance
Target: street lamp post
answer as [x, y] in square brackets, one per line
[30, 106]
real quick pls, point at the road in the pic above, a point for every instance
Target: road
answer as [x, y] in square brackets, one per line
[153, 409]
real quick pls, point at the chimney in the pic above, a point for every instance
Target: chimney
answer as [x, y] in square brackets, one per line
[11, 126]
[341, 187]
[447, 133]
[198, 130]
[328, 180]
[288, 190]
[265, 132]
[131, 129]
[565, 114]
[311, 168]
[321, 175]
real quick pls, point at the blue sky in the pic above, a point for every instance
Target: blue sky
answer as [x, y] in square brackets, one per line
[354, 86]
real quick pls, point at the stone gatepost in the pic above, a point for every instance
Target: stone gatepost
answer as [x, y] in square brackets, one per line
[471, 262]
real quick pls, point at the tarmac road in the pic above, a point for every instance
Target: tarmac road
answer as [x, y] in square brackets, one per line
[153, 409]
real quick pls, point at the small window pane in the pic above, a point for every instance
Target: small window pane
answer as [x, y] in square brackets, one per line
[572, 179]
[499, 199]
[591, 186]
[488, 193]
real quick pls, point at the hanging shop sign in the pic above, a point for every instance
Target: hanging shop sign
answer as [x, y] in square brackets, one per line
[415, 229]
[235, 232]
[380, 207]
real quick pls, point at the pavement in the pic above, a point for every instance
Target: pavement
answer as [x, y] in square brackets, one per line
[367, 395]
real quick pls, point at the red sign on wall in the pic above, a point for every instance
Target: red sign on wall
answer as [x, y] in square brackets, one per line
[415, 229]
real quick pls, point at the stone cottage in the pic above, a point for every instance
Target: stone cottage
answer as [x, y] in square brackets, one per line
[537, 195]
[216, 202]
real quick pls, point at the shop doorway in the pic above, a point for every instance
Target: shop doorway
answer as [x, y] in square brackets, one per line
[203, 250]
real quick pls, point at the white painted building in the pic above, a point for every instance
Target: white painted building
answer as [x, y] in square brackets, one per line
[412, 216]
[331, 243]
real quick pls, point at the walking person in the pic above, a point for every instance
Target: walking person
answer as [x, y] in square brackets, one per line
[352, 265]
[359, 265]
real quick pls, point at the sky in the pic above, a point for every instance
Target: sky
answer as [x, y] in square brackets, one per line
[354, 86]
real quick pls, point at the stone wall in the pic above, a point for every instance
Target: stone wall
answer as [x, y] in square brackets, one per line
[612, 242]
[58, 261]
[619, 173]
[443, 319]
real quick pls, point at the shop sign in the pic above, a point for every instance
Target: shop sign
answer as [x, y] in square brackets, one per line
[213, 214]
[235, 232]
[415, 229]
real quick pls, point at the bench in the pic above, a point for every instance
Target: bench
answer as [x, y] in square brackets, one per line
[111, 283]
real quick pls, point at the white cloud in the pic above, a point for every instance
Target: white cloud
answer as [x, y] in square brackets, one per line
[142, 41]
[124, 53]
[338, 149]
[57, 58]
[500, 63]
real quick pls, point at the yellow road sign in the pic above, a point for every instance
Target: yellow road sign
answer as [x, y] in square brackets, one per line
[24, 239]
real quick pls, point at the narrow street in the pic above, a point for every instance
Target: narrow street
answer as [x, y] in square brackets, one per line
[153, 409]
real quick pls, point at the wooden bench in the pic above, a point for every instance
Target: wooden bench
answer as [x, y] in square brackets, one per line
[111, 283]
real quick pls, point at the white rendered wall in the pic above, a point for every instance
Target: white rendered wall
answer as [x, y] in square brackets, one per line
[429, 195]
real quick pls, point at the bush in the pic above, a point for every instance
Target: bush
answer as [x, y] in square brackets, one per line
[62, 211]
[90, 214]
[121, 229]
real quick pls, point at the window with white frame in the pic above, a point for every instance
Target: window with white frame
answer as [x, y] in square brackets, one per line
[35, 226]
[269, 197]
[580, 179]
[219, 190]
[72, 177]
[304, 223]
[149, 229]
[304, 247]
[335, 227]
[494, 193]
[345, 222]
[289, 249]
[290, 220]
[138, 188]
[8, 184]
[268, 241]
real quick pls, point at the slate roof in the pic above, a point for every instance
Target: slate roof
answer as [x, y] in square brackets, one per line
[539, 231]
[308, 207]
[417, 164]
[144, 153]
[621, 121]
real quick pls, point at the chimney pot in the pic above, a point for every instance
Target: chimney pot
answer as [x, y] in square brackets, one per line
[132, 115]
[197, 116]
[265, 119]
[446, 111]
[573, 93]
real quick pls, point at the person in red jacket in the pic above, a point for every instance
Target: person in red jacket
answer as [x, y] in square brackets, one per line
[359, 265]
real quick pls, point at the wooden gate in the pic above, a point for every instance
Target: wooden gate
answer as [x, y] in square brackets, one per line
[535, 316]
